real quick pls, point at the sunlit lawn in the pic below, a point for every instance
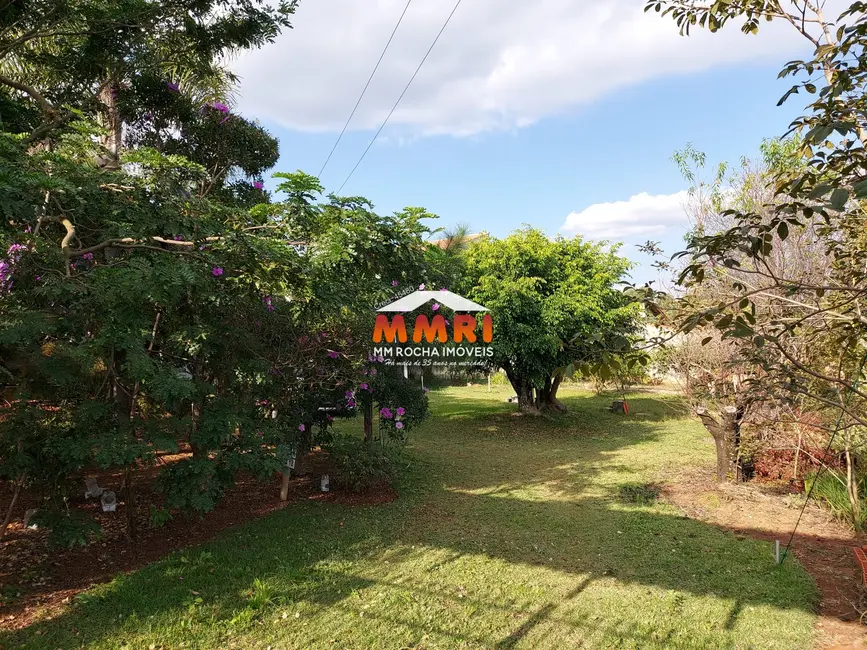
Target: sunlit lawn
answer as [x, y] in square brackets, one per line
[509, 533]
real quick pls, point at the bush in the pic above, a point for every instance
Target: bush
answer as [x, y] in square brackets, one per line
[193, 484]
[640, 493]
[402, 404]
[360, 466]
[830, 488]
[68, 528]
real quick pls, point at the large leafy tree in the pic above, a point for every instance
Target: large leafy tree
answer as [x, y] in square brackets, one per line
[555, 304]
[152, 297]
[805, 331]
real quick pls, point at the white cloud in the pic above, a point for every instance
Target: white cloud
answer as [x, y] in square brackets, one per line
[642, 215]
[497, 66]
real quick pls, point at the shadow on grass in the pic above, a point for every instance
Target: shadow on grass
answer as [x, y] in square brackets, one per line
[540, 496]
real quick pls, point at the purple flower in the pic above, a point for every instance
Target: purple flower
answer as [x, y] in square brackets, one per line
[178, 238]
[386, 413]
[398, 425]
[401, 410]
[350, 404]
[175, 88]
[258, 434]
[333, 354]
[301, 427]
[421, 287]
[435, 306]
[394, 283]
[219, 106]
[380, 358]
[217, 271]
[28, 229]
[443, 289]
[38, 278]
[426, 389]
[364, 387]
[330, 417]
[259, 185]
[349, 394]
[15, 251]
[373, 371]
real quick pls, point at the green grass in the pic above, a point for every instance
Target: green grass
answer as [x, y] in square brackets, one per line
[511, 532]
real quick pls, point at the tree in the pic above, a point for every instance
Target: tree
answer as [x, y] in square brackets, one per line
[554, 304]
[152, 297]
[803, 332]
[94, 56]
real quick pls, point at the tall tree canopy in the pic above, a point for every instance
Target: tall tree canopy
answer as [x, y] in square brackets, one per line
[802, 327]
[554, 304]
[152, 296]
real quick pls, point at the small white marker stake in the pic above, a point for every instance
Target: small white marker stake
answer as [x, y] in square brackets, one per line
[777, 550]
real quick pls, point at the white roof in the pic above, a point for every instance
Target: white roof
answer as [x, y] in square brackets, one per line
[417, 298]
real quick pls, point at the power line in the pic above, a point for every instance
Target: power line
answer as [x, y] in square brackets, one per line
[369, 79]
[409, 83]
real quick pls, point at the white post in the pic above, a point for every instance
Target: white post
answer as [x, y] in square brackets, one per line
[777, 550]
[405, 372]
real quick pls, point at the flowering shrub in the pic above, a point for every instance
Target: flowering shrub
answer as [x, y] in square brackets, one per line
[154, 297]
[361, 466]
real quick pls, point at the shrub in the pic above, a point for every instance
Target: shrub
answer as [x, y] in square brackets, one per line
[640, 493]
[830, 488]
[360, 466]
[402, 404]
[68, 528]
[195, 484]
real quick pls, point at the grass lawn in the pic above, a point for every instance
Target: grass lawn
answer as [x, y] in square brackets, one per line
[509, 533]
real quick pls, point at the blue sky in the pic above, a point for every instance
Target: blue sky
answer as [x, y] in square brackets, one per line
[509, 129]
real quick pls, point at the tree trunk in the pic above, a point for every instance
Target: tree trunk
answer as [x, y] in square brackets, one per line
[111, 120]
[526, 396]
[368, 421]
[11, 509]
[726, 434]
[546, 398]
[284, 486]
[130, 510]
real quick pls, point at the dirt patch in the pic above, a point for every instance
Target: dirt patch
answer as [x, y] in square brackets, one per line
[821, 544]
[36, 582]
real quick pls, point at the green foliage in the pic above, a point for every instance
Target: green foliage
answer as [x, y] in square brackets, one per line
[780, 283]
[364, 465]
[829, 488]
[403, 400]
[640, 493]
[554, 303]
[195, 484]
[159, 517]
[68, 528]
[153, 296]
